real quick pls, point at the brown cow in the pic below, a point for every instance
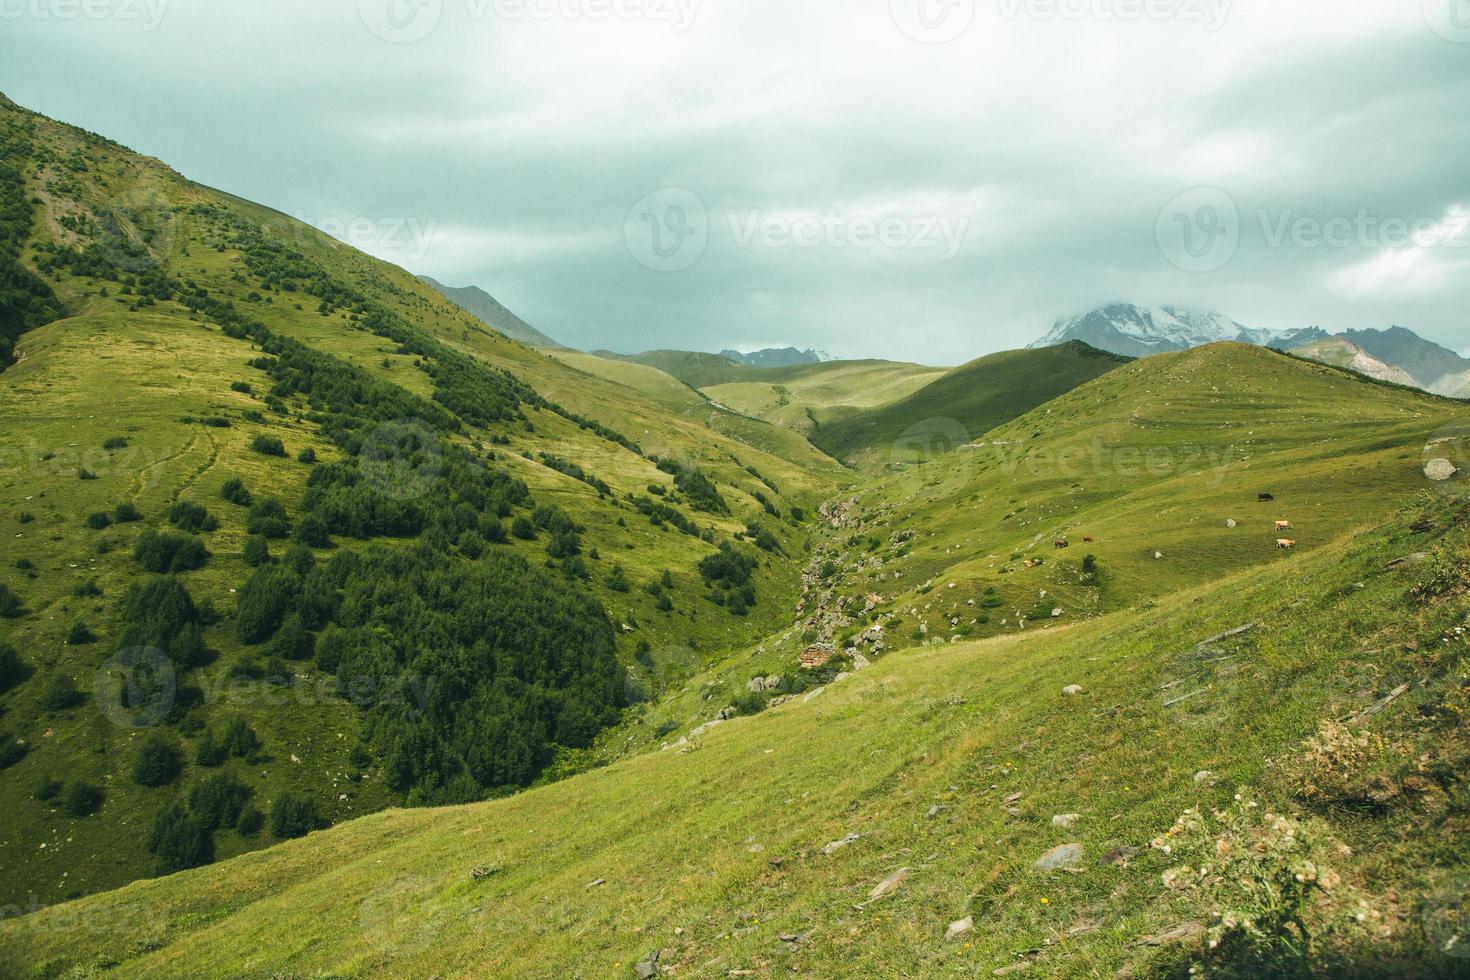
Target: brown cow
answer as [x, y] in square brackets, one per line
[1285, 544]
[1283, 525]
[1087, 540]
[1063, 543]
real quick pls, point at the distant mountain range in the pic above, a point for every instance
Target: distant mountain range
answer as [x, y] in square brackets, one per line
[481, 305]
[778, 357]
[1396, 354]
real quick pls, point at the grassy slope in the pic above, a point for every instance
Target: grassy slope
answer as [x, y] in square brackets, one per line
[1153, 458]
[805, 396]
[967, 402]
[694, 368]
[107, 371]
[714, 855]
[641, 382]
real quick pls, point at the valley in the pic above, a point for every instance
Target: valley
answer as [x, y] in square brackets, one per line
[349, 630]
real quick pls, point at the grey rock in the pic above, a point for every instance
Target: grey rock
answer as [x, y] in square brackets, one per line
[647, 968]
[959, 928]
[1439, 470]
[1065, 820]
[1061, 856]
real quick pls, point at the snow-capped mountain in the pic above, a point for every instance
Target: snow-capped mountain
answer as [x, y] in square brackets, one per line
[1137, 331]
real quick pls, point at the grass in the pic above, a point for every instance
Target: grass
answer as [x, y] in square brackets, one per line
[963, 404]
[147, 375]
[714, 854]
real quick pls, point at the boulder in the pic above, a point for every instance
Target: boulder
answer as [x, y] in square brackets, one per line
[1440, 470]
[1061, 856]
[647, 968]
[888, 885]
[1065, 820]
[959, 928]
[1072, 690]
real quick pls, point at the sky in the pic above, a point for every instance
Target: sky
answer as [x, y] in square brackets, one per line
[925, 180]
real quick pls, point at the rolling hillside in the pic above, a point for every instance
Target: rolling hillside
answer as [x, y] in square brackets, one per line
[1061, 803]
[803, 397]
[231, 432]
[967, 401]
[305, 568]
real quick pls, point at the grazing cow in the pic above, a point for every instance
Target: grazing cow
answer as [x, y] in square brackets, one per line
[1265, 497]
[1285, 544]
[1063, 543]
[1283, 525]
[1087, 540]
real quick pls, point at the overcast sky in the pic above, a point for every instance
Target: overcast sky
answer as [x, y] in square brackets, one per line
[926, 180]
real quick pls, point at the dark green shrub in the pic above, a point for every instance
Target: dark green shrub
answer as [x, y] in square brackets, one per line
[158, 762]
[13, 670]
[216, 801]
[234, 491]
[61, 694]
[293, 816]
[179, 841]
[12, 750]
[189, 516]
[168, 553]
[10, 604]
[80, 635]
[257, 551]
[126, 513]
[250, 822]
[99, 521]
[268, 517]
[268, 446]
[81, 798]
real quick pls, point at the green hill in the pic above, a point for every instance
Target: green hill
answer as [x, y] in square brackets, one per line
[803, 397]
[370, 565]
[226, 399]
[842, 834]
[694, 368]
[967, 401]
